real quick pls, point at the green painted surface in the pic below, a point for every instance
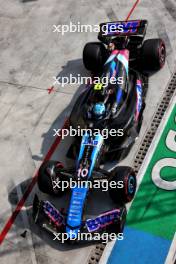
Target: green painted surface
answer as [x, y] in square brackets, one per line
[153, 209]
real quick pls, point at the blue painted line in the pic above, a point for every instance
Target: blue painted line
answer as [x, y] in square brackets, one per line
[139, 247]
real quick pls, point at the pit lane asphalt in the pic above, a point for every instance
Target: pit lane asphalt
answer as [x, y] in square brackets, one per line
[31, 54]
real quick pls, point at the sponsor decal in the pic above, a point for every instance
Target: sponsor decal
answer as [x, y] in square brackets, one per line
[53, 213]
[125, 27]
[102, 220]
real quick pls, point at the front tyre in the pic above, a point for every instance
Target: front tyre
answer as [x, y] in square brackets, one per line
[125, 179]
[47, 175]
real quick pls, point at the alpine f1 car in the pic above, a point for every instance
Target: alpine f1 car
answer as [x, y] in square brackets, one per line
[121, 54]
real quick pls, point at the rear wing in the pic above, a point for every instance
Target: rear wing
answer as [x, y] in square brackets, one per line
[123, 28]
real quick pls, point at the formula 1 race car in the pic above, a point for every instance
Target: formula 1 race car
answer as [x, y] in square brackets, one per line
[125, 56]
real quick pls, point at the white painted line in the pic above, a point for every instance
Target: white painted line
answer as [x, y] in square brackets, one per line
[146, 161]
[171, 257]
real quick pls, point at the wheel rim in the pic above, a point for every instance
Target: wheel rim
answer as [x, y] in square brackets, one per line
[131, 184]
[59, 165]
[162, 54]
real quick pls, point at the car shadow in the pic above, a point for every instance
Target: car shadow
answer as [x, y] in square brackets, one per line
[73, 67]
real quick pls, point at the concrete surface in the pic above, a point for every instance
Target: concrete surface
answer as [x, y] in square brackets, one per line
[30, 55]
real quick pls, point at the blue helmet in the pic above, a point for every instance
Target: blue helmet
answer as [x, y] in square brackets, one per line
[99, 110]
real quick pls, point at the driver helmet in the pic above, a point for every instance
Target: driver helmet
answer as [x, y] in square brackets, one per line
[99, 110]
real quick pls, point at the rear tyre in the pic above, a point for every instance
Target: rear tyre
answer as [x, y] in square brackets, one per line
[46, 176]
[125, 189]
[94, 56]
[153, 54]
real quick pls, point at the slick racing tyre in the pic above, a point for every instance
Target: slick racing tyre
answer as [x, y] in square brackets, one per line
[153, 54]
[47, 175]
[94, 56]
[125, 189]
